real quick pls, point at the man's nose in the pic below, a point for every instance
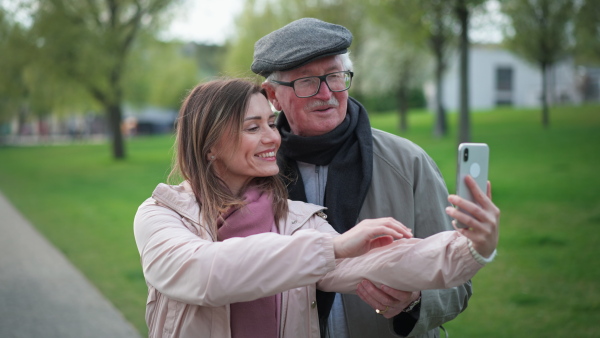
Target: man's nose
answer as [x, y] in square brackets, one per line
[324, 93]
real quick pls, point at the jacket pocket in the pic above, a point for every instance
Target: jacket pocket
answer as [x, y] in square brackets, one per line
[173, 317]
[152, 310]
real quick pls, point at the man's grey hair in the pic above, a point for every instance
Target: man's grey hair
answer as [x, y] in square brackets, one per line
[346, 64]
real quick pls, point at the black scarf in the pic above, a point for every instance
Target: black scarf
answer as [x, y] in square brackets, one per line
[348, 150]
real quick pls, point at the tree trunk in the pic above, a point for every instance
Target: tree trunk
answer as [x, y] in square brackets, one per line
[544, 98]
[114, 111]
[402, 98]
[441, 126]
[464, 128]
[115, 117]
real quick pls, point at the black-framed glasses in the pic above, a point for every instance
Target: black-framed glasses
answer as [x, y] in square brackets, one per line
[309, 86]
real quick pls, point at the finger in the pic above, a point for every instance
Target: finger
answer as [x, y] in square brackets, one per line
[381, 241]
[489, 190]
[392, 227]
[399, 295]
[380, 297]
[366, 293]
[389, 312]
[478, 195]
[390, 223]
[464, 231]
[394, 300]
[382, 231]
[392, 312]
[463, 218]
[463, 204]
[398, 226]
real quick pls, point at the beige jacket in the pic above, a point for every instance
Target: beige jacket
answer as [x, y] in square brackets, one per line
[192, 279]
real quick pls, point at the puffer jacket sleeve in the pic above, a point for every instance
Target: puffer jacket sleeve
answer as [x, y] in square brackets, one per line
[440, 261]
[193, 270]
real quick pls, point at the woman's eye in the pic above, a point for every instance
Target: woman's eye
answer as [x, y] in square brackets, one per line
[252, 129]
[273, 125]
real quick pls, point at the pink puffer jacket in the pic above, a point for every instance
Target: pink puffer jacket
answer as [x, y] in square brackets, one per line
[192, 279]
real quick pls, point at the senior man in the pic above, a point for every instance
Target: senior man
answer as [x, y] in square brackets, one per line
[334, 158]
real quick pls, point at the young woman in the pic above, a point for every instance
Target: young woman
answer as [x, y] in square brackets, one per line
[225, 254]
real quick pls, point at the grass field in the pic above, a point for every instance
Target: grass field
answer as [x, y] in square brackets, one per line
[546, 182]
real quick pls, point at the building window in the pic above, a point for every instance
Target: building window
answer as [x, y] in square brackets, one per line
[504, 85]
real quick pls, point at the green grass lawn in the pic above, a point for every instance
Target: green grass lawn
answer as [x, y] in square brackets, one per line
[543, 283]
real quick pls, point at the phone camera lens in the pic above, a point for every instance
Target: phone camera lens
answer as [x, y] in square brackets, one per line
[466, 155]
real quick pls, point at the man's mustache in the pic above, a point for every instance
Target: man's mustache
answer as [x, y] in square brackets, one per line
[332, 102]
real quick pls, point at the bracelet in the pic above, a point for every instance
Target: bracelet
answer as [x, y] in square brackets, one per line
[412, 305]
[478, 257]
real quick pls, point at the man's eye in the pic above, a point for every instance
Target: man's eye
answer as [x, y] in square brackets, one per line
[305, 82]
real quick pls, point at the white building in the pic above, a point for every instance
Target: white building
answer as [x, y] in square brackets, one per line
[499, 77]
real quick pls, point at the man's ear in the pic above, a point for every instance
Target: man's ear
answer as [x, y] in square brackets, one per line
[270, 90]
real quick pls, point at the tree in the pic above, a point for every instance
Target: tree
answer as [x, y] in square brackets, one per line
[438, 22]
[174, 70]
[587, 32]
[391, 65]
[463, 10]
[27, 89]
[13, 90]
[421, 24]
[259, 18]
[89, 43]
[252, 23]
[539, 33]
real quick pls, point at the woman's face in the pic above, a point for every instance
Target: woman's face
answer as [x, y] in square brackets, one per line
[254, 155]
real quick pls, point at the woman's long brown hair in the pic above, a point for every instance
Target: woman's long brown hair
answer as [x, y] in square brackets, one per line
[211, 110]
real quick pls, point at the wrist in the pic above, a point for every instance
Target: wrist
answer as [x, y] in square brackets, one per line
[336, 247]
[478, 257]
[414, 304]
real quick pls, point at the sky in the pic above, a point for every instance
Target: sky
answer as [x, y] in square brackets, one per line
[204, 21]
[212, 21]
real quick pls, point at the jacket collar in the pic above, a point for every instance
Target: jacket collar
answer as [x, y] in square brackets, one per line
[181, 199]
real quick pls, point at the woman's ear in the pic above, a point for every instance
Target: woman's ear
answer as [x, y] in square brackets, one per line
[210, 156]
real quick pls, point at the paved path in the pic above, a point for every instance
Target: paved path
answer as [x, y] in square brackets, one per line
[42, 294]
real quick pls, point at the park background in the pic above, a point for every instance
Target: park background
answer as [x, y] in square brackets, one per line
[81, 190]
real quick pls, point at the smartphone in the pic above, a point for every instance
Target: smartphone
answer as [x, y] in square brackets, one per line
[473, 159]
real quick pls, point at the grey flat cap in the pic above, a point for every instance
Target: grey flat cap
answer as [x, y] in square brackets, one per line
[297, 44]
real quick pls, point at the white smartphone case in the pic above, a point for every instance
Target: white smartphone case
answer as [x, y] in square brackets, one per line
[473, 159]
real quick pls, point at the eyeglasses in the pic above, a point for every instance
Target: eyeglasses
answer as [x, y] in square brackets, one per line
[309, 86]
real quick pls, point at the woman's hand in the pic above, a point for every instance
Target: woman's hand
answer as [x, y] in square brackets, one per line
[484, 220]
[367, 235]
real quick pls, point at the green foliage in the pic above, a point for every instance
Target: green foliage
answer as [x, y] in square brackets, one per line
[162, 73]
[538, 29]
[587, 32]
[259, 18]
[544, 181]
[77, 51]
[252, 23]
[388, 102]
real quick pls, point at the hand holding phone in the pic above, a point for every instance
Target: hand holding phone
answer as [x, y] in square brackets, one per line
[473, 160]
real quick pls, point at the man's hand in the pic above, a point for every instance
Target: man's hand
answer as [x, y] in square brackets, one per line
[390, 302]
